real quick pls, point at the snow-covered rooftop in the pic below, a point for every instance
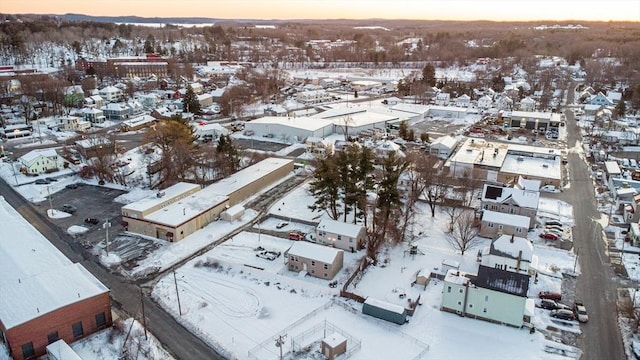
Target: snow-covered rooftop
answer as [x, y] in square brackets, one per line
[34, 154]
[507, 219]
[187, 208]
[512, 245]
[35, 277]
[321, 253]
[305, 123]
[530, 166]
[167, 194]
[385, 305]
[248, 175]
[501, 194]
[339, 227]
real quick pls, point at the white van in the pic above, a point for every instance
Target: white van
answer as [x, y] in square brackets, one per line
[633, 163]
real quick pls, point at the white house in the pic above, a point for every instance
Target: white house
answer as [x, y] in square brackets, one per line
[527, 104]
[111, 94]
[505, 103]
[485, 102]
[510, 253]
[94, 101]
[73, 123]
[443, 146]
[313, 97]
[39, 161]
[493, 295]
[93, 115]
[340, 234]
[600, 99]
[443, 99]
[463, 100]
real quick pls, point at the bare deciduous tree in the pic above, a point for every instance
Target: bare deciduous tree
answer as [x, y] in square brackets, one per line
[464, 232]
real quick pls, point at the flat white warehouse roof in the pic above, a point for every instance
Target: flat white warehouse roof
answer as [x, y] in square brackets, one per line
[304, 123]
[530, 166]
[244, 177]
[187, 208]
[169, 193]
[36, 278]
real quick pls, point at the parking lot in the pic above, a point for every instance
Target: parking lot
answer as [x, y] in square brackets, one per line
[89, 201]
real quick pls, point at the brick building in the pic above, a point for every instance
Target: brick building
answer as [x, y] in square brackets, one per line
[45, 297]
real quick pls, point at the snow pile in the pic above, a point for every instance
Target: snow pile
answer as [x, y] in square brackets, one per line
[75, 230]
[57, 214]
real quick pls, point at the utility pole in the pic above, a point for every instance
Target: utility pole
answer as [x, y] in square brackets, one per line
[144, 318]
[49, 195]
[280, 342]
[177, 293]
[106, 226]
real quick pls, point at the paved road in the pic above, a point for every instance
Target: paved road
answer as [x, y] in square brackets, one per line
[179, 341]
[601, 337]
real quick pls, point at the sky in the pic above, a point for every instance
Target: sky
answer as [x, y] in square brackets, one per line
[498, 10]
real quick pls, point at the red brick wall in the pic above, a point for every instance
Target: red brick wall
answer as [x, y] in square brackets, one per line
[60, 320]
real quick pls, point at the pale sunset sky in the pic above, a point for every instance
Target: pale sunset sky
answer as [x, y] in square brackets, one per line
[498, 10]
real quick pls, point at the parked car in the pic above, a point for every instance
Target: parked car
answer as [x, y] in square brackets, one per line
[42, 182]
[281, 224]
[553, 222]
[563, 314]
[296, 235]
[552, 305]
[72, 186]
[554, 227]
[555, 232]
[552, 295]
[69, 208]
[549, 236]
[581, 312]
[91, 221]
[50, 179]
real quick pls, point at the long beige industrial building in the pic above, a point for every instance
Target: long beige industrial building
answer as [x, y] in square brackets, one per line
[182, 209]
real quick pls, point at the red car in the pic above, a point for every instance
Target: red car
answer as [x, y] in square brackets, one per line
[552, 295]
[549, 236]
[296, 236]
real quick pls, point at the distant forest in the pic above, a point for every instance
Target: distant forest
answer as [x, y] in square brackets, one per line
[449, 42]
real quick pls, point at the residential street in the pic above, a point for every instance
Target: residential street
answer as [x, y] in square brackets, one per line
[125, 297]
[601, 338]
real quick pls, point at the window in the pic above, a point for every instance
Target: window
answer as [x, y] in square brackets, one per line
[499, 227]
[490, 225]
[325, 274]
[101, 321]
[27, 351]
[53, 337]
[460, 291]
[326, 266]
[459, 302]
[486, 298]
[313, 271]
[519, 230]
[313, 263]
[77, 330]
[448, 289]
[339, 237]
[484, 310]
[470, 306]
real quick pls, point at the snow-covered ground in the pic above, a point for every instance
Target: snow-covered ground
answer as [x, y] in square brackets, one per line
[239, 302]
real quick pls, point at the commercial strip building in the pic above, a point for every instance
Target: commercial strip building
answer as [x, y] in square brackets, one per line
[185, 208]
